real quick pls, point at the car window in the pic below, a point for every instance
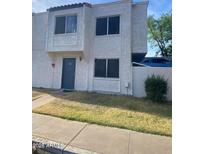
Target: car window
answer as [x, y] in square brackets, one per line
[146, 61]
[159, 60]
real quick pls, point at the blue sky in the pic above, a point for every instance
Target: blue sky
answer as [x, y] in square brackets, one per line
[156, 8]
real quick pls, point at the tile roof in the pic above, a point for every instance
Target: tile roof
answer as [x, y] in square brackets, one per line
[69, 6]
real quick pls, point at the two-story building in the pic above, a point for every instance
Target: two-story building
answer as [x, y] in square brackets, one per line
[89, 47]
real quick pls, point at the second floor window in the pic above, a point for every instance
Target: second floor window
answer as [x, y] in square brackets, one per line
[60, 25]
[66, 24]
[108, 25]
[71, 24]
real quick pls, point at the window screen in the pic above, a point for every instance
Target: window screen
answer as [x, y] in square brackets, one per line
[100, 68]
[114, 25]
[60, 25]
[101, 26]
[71, 26]
[113, 68]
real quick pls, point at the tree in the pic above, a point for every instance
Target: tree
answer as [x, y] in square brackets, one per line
[160, 34]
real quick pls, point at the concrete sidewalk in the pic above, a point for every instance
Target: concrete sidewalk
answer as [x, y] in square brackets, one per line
[79, 137]
[44, 99]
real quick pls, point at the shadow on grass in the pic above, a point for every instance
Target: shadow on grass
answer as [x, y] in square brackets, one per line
[116, 101]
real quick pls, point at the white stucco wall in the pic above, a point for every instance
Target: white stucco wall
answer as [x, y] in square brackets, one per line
[139, 27]
[49, 48]
[141, 73]
[106, 85]
[43, 74]
[81, 72]
[112, 46]
[87, 31]
[41, 62]
[67, 41]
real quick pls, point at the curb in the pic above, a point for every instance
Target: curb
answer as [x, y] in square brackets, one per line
[45, 146]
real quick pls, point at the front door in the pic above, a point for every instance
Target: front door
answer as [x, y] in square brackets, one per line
[68, 74]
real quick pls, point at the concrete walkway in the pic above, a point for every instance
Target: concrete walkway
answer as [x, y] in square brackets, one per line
[44, 99]
[78, 137]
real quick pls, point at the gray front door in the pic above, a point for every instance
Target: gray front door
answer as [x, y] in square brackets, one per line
[68, 74]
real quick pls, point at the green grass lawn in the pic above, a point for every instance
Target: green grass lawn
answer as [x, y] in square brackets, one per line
[110, 110]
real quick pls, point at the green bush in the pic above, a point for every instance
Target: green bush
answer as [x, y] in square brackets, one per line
[156, 88]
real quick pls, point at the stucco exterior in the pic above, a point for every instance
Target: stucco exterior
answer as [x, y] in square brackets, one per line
[50, 49]
[140, 74]
[65, 42]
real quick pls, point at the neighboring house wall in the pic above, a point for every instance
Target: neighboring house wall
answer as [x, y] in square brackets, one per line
[141, 73]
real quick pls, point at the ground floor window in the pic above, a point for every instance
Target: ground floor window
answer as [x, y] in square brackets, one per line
[100, 67]
[107, 68]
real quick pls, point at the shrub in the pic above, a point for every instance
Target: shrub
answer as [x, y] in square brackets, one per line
[156, 88]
